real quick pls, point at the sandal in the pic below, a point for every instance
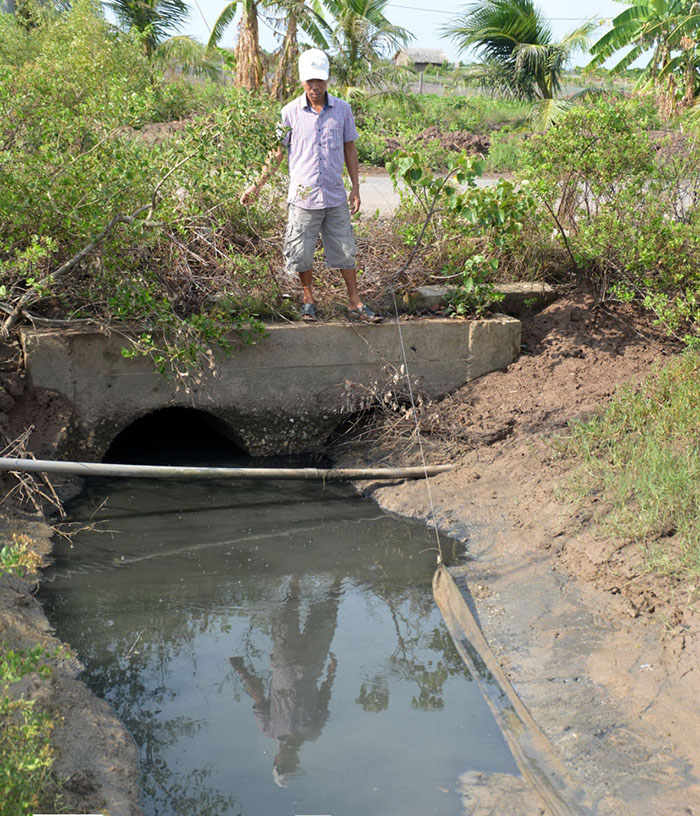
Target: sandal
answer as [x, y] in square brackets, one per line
[365, 314]
[308, 312]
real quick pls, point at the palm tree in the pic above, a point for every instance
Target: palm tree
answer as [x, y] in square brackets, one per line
[295, 16]
[357, 35]
[668, 28]
[358, 38]
[153, 19]
[519, 56]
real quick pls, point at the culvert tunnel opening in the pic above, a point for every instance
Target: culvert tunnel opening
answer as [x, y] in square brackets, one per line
[177, 436]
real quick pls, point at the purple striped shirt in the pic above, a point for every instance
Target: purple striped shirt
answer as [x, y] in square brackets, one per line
[315, 142]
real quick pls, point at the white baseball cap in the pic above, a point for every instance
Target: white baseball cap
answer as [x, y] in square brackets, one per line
[313, 64]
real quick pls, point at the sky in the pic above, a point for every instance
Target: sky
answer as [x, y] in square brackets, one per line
[423, 18]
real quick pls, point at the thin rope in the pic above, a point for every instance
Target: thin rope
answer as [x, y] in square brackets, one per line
[417, 424]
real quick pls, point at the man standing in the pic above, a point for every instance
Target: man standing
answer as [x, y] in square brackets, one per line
[319, 134]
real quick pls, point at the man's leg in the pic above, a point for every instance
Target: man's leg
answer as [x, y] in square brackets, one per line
[339, 245]
[350, 277]
[308, 309]
[303, 227]
[306, 286]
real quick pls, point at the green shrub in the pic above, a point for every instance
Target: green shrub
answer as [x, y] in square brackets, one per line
[72, 165]
[625, 208]
[471, 227]
[505, 152]
[26, 758]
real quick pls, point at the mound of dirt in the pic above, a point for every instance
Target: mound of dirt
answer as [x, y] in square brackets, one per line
[604, 654]
[456, 141]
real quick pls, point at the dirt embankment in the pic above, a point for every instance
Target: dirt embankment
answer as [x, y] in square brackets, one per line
[603, 654]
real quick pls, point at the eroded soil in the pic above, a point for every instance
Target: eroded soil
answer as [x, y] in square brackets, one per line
[603, 653]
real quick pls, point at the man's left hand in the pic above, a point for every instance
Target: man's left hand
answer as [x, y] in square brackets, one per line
[354, 199]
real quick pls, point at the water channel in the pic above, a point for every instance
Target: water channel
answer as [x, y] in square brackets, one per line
[273, 647]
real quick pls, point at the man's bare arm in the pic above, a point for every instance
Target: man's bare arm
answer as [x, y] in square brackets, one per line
[273, 161]
[353, 165]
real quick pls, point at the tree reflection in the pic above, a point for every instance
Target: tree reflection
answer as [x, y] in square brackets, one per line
[427, 658]
[179, 602]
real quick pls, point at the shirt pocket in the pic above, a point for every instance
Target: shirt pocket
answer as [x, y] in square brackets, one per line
[335, 135]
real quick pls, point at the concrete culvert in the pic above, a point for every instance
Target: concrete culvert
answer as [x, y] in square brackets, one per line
[176, 435]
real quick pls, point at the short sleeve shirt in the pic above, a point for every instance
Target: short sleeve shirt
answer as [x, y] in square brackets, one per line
[316, 142]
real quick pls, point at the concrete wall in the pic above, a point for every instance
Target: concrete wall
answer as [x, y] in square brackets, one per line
[284, 394]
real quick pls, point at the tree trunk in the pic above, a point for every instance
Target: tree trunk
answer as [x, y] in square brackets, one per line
[285, 78]
[688, 46]
[248, 64]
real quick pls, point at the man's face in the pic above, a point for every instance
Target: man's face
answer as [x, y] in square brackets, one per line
[316, 90]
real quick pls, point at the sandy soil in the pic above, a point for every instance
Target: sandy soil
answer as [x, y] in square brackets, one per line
[604, 656]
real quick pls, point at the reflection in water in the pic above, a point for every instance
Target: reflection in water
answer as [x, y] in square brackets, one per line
[274, 648]
[295, 707]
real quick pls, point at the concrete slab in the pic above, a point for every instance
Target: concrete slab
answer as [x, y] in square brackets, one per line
[282, 395]
[518, 297]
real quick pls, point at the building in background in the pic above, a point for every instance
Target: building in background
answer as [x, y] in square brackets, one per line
[419, 59]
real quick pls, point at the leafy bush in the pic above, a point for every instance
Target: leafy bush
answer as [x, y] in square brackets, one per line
[159, 218]
[26, 758]
[475, 224]
[624, 207]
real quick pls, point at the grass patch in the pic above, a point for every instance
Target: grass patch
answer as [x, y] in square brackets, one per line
[642, 456]
[26, 757]
[27, 784]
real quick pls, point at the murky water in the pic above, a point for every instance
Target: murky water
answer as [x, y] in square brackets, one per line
[273, 647]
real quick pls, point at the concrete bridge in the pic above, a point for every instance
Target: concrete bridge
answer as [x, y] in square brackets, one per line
[285, 394]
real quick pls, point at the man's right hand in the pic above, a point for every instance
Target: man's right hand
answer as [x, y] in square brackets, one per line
[249, 195]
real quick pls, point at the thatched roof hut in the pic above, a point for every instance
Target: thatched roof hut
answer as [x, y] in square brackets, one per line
[420, 58]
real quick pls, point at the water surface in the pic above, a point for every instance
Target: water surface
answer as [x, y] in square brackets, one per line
[274, 649]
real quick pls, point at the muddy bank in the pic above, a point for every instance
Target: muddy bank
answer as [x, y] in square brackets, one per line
[96, 759]
[605, 657]
[96, 765]
[606, 660]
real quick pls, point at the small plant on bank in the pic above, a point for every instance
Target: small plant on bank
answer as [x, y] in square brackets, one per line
[477, 223]
[19, 558]
[26, 758]
[27, 785]
[475, 294]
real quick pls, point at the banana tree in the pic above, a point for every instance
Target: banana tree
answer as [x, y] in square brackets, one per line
[249, 68]
[670, 29]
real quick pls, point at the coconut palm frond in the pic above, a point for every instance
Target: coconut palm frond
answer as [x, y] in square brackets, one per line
[516, 46]
[223, 21]
[188, 55]
[155, 20]
[546, 112]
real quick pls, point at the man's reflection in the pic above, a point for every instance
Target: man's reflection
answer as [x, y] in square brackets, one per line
[295, 708]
